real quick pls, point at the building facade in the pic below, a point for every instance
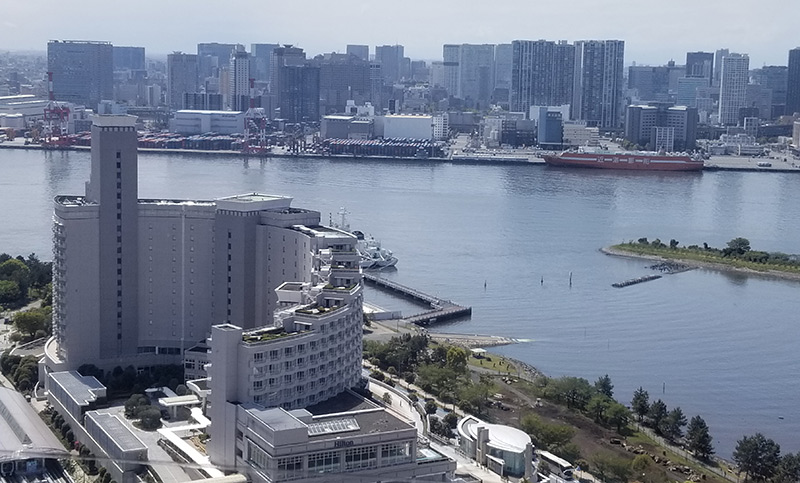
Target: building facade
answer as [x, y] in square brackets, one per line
[136, 282]
[391, 59]
[239, 82]
[793, 82]
[360, 51]
[182, 78]
[734, 77]
[83, 72]
[542, 74]
[700, 65]
[659, 127]
[597, 88]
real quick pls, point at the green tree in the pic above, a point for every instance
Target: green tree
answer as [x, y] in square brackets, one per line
[698, 438]
[574, 391]
[739, 246]
[641, 463]
[430, 407]
[788, 469]
[673, 424]
[603, 386]
[609, 468]
[640, 403]
[597, 407]
[657, 414]
[549, 436]
[9, 292]
[16, 271]
[31, 321]
[451, 420]
[150, 418]
[134, 404]
[457, 359]
[181, 390]
[757, 457]
[618, 415]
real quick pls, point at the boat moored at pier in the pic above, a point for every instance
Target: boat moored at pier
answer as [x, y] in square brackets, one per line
[634, 160]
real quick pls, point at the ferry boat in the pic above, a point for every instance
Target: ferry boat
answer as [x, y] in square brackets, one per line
[633, 160]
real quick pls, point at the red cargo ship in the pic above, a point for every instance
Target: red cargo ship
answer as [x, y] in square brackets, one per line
[633, 160]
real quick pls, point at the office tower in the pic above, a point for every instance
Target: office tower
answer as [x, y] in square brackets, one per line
[659, 126]
[420, 71]
[437, 75]
[700, 64]
[391, 59]
[758, 99]
[376, 85]
[718, 56]
[213, 56]
[542, 74]
[360, 51]
[597, 87]
[475, 72]
[239, 81]
[342, 77]
[503, 59]
[83, 72]
[181, 78]
[451, 55]
[734, 77]
[128, 58]
[657, 83]
[261, 57]
[298, 97]
[687, 90]
[775, 78]
[282, 56]
[201, 101]
[793, 82]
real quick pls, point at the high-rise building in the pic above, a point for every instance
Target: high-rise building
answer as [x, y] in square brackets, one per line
[298, 97]
[342, 77]
[128, 58]
[503, 59]
[775, 78]
[281, 56]
[138, 281]
[239, 81]
[793, 82]
[657, 83]
[597, 89]
[718, 56]
[451, 54]
[391, 59]
[686, 94]
[213, 56]
[542, 74]
[700, 64]
[360, 51]
[261, 54]
[83, 72]
[476, 73]
[181, 78]
[734, 77]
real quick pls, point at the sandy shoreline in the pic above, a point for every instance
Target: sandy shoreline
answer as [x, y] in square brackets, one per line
[773, 274]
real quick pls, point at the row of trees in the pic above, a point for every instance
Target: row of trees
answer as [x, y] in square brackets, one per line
[138, 407]
[23, 279]
[124, 382]
[738, 248]
[22, 371]
[759, 458]
[595, 400]
[670, 424]
[438, 369]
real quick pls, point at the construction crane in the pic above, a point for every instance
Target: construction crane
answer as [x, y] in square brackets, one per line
[255, 127]
[56, 119]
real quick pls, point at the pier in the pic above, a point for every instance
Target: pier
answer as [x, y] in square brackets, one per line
[440, 309]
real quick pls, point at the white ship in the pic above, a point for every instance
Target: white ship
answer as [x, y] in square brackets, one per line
[373, 256]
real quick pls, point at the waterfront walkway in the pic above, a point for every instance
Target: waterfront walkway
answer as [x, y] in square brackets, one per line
[441, 309]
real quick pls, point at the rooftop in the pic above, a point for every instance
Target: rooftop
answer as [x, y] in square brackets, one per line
[82, 389]
[23, 430]
[117, 431]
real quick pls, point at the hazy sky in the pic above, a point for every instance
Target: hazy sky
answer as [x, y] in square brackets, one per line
[654, 31]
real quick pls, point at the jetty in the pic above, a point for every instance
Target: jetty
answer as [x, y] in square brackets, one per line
[634, 281]
[441, 309]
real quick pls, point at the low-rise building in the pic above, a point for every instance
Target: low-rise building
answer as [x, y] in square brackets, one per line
[198, 122]
[505, 450]
[577, 133]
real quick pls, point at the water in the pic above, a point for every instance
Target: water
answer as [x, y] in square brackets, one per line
[719, 345]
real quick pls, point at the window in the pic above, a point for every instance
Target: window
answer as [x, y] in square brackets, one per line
[395, 453]
[360, 458]
[258, 356]
[258, 385]
[326, 462]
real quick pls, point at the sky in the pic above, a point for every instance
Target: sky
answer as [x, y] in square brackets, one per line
[654, 31]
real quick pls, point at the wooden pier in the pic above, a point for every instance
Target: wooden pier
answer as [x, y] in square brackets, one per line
[440, 309]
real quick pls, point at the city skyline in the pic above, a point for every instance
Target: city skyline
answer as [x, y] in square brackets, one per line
[676, 28]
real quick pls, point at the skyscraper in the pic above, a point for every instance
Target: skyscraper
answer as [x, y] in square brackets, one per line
[360, 51]
[281, 56]
[343, 77]
[718, 56]
[261, 55]
[793, 83]
[181, 78]
[542, 74]
[774, 78]
[734, 76]
[451, 54]
[503, 55]
[83, 72]
[700, 64]
[128, 58]
[597, 89]
[476, 72]
[298, 97]
[391, 60]
[239, 86]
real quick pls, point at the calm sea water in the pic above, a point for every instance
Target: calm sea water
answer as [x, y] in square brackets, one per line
[720, 345]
